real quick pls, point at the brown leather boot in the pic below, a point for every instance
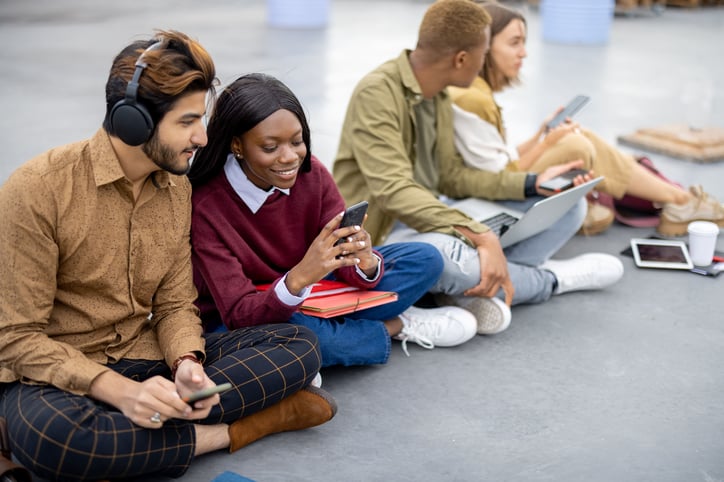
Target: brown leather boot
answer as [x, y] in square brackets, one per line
[309, 407]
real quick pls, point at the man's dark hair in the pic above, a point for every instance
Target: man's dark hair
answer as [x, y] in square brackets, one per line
[178, 67]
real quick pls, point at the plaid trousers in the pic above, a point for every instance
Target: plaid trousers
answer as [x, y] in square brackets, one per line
[62, 436]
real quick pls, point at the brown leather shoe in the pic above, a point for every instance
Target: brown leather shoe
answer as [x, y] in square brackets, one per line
[309, 407]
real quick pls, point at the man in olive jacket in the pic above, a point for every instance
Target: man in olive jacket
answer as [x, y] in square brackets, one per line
[397, 152]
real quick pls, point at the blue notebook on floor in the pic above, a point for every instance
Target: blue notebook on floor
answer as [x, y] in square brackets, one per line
[231, 477]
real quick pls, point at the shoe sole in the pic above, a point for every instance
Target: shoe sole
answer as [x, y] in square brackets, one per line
[500, 310]
[325, 396]
[672, 228]
[481, 306]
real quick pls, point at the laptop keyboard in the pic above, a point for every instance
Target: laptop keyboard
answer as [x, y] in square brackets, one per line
[500, 223]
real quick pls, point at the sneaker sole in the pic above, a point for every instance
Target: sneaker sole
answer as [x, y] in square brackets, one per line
[495, 316]
[492, 314]
[673, 228]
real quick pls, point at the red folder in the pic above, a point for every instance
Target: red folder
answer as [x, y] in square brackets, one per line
[345, 303]
[334, 298]
[330, 287]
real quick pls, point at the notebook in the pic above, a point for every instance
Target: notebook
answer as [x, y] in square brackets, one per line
[345, 303]
[330, 298]
[513, 226]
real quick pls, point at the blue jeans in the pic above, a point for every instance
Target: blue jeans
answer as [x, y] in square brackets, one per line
[462, 266]
[361, 338]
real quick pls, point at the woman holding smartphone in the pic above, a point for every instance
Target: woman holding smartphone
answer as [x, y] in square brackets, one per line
[266, 211]
[480, 137]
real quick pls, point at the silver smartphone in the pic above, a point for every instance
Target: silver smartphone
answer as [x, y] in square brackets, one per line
[206, 393]
[568, 111]
[562, 182]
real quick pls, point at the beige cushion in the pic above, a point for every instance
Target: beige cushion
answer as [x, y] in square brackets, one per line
[701, 145]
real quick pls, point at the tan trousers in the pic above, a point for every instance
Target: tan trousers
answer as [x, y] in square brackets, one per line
[597, 155]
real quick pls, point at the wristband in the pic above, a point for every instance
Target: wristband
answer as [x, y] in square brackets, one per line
[177, 362]
[530, 180]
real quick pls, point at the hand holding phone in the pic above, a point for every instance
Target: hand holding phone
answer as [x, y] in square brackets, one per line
[353, 216]
[573, 106]
[206, 393]
[563, 181]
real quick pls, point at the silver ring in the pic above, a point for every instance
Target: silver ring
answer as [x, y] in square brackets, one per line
[155, 418]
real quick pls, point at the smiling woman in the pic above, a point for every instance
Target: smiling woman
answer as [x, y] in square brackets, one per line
[270, 154]
[265, 211]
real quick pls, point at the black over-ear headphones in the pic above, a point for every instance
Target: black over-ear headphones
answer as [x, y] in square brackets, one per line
[130, 120]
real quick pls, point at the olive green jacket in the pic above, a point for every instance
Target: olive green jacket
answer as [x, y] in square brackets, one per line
[377, 153]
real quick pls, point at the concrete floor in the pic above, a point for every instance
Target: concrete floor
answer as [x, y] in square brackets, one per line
[625, 384]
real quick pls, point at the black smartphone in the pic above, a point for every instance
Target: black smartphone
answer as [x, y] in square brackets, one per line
[353, 216]
[573, 106]
[562, 182]
[206, 393]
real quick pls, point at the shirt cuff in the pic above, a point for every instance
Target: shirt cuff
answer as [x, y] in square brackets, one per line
[286, 297]
[377, 272]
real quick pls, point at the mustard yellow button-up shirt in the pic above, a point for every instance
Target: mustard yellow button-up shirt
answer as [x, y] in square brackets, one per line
[89, 276]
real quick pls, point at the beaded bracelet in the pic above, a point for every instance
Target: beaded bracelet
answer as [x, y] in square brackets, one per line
[177, 362]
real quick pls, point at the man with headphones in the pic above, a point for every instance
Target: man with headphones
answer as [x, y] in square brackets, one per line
[101, 342]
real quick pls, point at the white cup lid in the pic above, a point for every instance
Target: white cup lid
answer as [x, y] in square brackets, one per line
[703, 227]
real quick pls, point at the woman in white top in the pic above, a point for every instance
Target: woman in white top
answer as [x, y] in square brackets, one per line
[480, 136]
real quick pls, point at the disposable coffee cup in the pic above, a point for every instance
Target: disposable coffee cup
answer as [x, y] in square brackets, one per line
[702, 241]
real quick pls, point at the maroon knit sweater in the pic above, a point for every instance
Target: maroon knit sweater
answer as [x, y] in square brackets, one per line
[235, 249]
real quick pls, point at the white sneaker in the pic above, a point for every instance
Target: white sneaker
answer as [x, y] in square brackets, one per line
[431, 327]
[591, 271]
[317, 381]
[493, 315]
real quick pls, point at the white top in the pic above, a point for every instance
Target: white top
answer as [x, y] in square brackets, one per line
[252, 195]
[479, 142]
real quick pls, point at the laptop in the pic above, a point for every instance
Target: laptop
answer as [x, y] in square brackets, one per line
[513, 226]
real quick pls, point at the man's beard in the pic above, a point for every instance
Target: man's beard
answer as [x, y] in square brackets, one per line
[164, 157]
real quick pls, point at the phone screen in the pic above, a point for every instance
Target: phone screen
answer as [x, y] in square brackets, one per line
[353, 216]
